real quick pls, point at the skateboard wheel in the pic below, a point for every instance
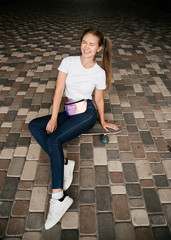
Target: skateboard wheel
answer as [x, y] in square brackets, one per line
[105, 139]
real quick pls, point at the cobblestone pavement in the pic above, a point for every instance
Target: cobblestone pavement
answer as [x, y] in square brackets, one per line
[121, 190]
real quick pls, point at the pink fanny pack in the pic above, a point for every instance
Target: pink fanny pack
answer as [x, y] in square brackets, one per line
[73, 107]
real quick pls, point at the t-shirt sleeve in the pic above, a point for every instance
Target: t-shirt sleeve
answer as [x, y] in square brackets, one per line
[63, 67]
[101, 81]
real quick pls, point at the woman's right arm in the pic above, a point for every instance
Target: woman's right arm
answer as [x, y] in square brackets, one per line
[60, 85]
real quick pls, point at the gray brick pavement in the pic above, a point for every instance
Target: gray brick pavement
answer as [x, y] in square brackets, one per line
[121, 190]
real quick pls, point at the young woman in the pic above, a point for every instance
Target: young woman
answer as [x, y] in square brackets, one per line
[78, 76]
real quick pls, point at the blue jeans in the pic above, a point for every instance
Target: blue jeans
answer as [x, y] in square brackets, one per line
[67, 128]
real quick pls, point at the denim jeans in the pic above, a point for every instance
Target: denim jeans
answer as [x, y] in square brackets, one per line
[67, 128]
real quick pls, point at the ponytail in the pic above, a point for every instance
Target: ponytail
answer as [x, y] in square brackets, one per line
[106, 62]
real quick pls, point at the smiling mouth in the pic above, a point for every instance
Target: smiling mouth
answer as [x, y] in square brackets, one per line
[86, 52]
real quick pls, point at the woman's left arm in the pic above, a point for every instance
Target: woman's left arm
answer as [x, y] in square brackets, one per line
[99, 101]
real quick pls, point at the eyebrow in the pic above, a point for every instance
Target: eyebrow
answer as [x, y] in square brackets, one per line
[90, 42]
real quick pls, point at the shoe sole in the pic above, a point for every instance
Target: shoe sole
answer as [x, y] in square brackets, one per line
[69, 201]
[71, 173]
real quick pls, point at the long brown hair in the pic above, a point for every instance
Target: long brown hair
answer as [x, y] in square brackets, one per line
[107, 46]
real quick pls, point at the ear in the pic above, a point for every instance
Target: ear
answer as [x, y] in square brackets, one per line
[99, 49]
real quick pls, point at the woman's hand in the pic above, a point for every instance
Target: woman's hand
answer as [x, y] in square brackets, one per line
[51, 126]
[107, 125]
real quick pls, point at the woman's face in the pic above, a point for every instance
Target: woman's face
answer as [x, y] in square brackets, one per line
[90, 45]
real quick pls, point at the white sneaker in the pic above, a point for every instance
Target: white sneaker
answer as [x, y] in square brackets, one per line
[56, 210]
[68, 174]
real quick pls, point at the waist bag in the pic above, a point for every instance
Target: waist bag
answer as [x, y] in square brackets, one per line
[73, 107]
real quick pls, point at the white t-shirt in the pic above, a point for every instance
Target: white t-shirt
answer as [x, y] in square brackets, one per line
[80, 81]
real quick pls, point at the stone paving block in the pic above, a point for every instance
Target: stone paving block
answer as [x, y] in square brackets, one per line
[157, 168]
[167, 211]
[164, 195]
[138, 150]
[136, 203]
[86, 139]
[139, 217]
[116, 177]
[143, 169]
[126, 157]
[4, 164]
[133, 190]
[160, 116]
[101, 175]
[42, 175]
[87, 197]
[30, 116]
[5, 209]
[20, 208]
[86, 151]
[112, 154]
[69, 234]
[34, 221]
[20, 152]
[124, 229]
[16, 167]
[130, 173]
[17, 126]
[33, 152]
[167, 167]
[123, 142]
[103, 199]
[115, 166]
[141, 124]
[121, 209]
[161, 144]
[147, 183]
[9, 188]
[118, 190]
[100, 157]
[16, 227]
[3, 224]
[157, 220]
[86, 226]
[11, 115]
[25, 185]
[38, 199]
[23, 195]
[70, 220]
[31, 235]
[12, 140]
[87, 178]
[105, 226]
[53, 233]
[29, 171]
[161, 233]
[24, 141]
[153, 156]
[143, 233]
[2, 179]
[129, 118]
[161, 181]
[152, 200]
[6, 153]
[146, 138]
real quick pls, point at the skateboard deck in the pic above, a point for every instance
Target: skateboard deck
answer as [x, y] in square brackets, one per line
[99, 130]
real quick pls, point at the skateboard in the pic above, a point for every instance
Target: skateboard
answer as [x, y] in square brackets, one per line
[99, 130]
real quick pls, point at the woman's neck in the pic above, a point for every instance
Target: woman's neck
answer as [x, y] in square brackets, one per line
[87, 62]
